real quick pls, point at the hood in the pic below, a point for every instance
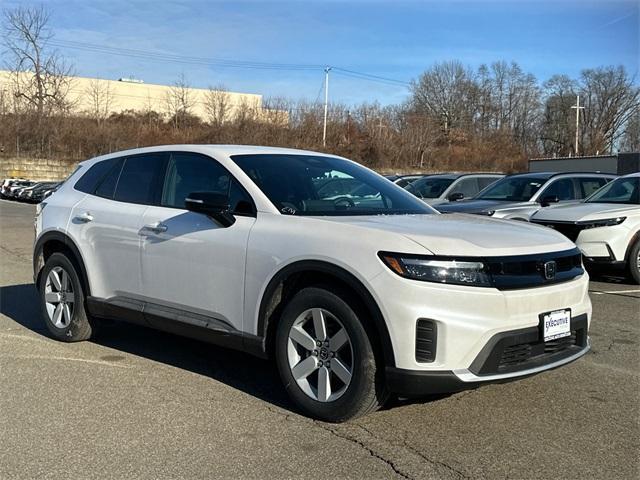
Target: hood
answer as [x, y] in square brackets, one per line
[478, 206]
[586, 211]
[465, 235]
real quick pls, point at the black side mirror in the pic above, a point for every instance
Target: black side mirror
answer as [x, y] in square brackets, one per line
[214, 205]
[549, 199]
[455, 196]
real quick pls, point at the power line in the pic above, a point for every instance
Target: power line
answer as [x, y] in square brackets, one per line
[368, 76]
[223, 63]
[219, 62]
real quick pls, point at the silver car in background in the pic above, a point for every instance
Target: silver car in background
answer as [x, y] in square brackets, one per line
[519, 196]
[451, 187]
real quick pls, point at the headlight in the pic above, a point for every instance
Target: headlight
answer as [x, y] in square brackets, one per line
[607, 222]
[440, 270]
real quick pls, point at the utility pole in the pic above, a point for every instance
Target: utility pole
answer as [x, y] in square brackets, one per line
[577, 107]
[326, 105]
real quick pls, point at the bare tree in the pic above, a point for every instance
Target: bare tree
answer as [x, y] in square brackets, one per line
[445, 91]
[558, 120]
[217, 103]
[631, 139]
[610, 99]
[179, 102]
[101, 100]
[41, 77]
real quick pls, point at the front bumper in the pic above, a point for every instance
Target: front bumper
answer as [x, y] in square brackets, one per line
[465, 318]
[411, 383]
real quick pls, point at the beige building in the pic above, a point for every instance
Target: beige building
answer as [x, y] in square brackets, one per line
[100, 98]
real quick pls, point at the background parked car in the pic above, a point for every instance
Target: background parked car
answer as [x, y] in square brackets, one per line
[30, 194]
[15, 188]
[8, 183]
[606, 226]
[519, 196]
[39, 194]
[447, 187]
[403, 180]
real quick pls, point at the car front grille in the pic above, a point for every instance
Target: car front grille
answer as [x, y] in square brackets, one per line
[524, 349]
[527, 271]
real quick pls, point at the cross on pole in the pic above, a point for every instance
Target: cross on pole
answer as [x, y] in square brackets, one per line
[578, 108]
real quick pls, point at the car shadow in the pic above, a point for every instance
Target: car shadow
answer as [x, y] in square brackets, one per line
[239, 370]
[614, 279]
[244, 372]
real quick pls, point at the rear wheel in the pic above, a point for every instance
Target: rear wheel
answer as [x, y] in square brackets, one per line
[326, 359]
[634, 262]
[62, 300]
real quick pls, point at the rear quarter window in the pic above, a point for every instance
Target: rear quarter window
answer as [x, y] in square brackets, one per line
[88, 183]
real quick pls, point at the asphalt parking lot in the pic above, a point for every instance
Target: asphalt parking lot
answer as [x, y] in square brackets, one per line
[136, 403]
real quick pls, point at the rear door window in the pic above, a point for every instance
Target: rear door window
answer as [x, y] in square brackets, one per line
[467, 186]
[484, 182]
[590, 185]
[562, 188]
[139, 181]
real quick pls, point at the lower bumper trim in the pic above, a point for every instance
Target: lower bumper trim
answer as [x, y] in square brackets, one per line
[467, 376]
[413, 383]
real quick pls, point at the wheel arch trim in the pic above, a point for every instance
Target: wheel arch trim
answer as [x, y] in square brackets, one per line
[343, 275]
[57, 236]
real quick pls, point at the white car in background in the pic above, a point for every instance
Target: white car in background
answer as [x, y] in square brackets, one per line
[606, 226]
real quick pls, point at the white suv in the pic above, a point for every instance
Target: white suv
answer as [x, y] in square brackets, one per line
[354, 297]
[606, 226]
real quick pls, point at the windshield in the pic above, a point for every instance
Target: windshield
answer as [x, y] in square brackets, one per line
[318, 185]
[621, 190]
[513, 189]
[429, 187]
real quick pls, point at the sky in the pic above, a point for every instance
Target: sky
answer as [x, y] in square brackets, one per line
[396, 40]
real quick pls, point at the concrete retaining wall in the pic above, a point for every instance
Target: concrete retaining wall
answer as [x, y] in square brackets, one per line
[36, 168]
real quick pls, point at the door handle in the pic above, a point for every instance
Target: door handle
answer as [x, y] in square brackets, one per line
[85, 217]
[157, 227]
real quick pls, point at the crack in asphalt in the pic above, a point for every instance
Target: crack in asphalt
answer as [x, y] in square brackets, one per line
[367, 448]
[334, 431]
[405, 444]
[21, 256]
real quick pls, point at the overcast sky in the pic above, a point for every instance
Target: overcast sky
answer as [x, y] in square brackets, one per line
[394, 39]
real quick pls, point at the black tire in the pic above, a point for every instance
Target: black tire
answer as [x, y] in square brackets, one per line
[633, 262]
[366, 392]
[80, 327]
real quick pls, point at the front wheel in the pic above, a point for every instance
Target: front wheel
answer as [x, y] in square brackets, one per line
[634, 262]
[326, 359]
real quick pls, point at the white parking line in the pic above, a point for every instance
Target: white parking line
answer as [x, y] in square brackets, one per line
[613, 292]
[65, 359]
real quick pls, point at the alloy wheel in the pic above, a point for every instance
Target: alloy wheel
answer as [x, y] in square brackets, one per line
[320, 355]
[59, 297]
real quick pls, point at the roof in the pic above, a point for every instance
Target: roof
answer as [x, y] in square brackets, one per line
[548, 175]
[455, 176]
[219, 150]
